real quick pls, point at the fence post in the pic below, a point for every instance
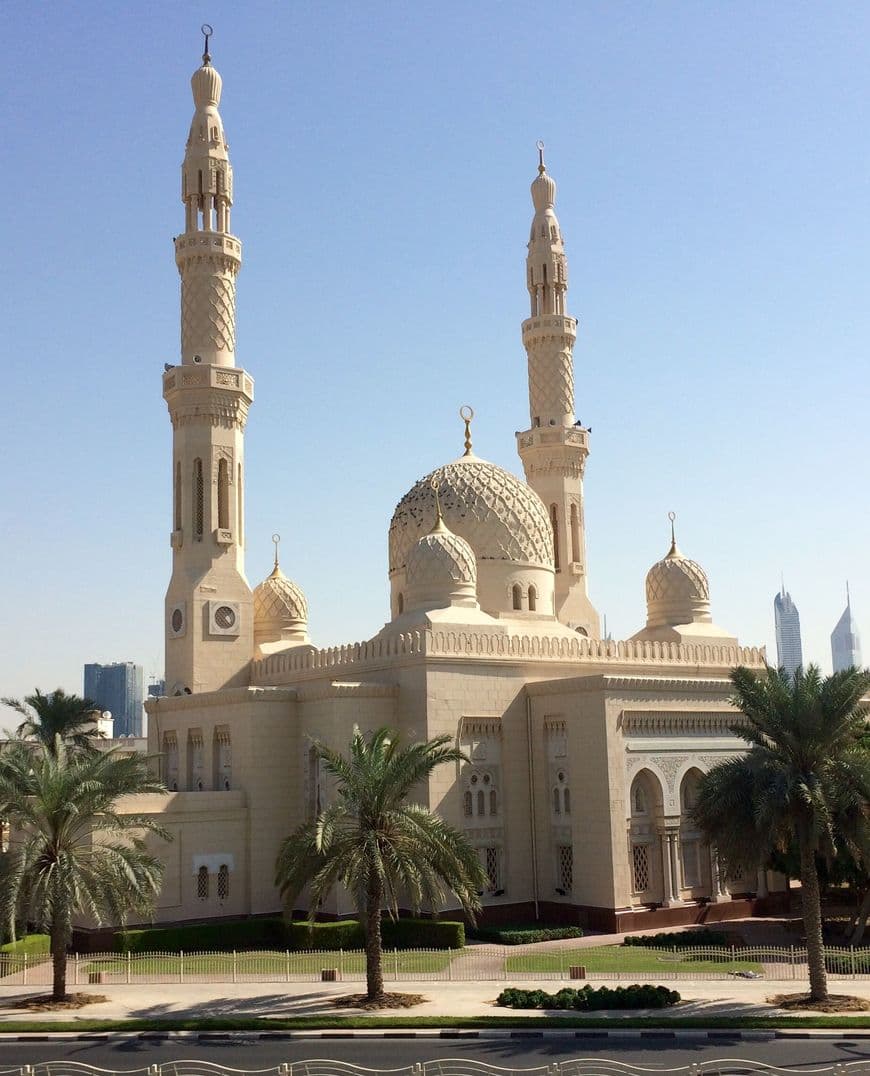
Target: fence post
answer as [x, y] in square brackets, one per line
[234, 965]
[733, 958]
[396, 963]
[793, 968]
[287, 965]
[341, 964]
[181, 966]
[129, 960]
[24, 973]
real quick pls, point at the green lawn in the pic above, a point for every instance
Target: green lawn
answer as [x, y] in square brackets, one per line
[273, 963]
[618, 958]
[30, 944]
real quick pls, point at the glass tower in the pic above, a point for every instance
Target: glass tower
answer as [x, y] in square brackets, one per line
[789, 653]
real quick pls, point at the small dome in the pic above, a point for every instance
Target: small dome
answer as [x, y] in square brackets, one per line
[279, 603]
[500, 517]
[543, 192]
[206, 84]
[441, 569]
[677, 591]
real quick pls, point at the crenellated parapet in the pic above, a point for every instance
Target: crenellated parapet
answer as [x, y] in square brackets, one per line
[498, 647]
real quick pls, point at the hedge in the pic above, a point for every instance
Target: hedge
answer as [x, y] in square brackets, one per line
[277, 934]
[684, 939]
[637, 996]
[523, 935]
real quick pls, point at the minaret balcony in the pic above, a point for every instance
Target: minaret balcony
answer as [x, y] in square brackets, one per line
[206, 376]
[548, 327]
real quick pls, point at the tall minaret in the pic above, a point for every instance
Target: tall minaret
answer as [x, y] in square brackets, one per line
[555, 448]
[209, 606]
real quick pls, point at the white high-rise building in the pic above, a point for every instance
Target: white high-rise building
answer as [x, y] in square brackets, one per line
[789, 653]
[845, 641]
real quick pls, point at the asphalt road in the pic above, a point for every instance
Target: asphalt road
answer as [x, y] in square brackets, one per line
[248, 1052]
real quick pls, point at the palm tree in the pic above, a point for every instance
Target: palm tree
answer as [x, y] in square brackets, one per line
[805, 777]
[57, 714]
[376, 844]
[72, 850]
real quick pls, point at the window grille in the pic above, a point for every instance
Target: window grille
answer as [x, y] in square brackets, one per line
[467, 809]
[198, 498]
[223, 882]
[566, 867]
[223, 495]
[493, 802]
[640, 867]
[492, 866]
[202, 883]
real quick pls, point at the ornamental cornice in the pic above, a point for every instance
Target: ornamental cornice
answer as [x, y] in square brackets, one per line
[231, 696]
[228, 414]
[490, 727]
[680, 722]
[346, 689]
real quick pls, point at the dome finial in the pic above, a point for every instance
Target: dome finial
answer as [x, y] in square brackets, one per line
[673, 552]
[466, 413]
[276, 541]
[541, 166]
[206, 33]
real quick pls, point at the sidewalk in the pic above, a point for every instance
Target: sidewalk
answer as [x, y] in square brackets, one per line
[740, 998]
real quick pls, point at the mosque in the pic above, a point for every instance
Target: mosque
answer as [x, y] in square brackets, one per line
[583, 753]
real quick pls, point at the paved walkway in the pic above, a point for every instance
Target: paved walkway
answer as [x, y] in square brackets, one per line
[167, 1002]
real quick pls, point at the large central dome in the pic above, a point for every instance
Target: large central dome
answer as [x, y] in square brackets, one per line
[499, 516]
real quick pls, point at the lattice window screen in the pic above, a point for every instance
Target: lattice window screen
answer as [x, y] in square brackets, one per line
[640, 867]
[566, 867]
[223, 882]
[492, 866]
[202, 883]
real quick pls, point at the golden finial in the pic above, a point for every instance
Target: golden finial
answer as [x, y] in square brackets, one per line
[466, 413]
[206, 33]
[541, 166]
[673, 550]
[276, 541]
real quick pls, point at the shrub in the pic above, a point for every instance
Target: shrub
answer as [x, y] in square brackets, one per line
[684, 939]
[423, 934]
[521, 935]
[204, 937]
[587, 998]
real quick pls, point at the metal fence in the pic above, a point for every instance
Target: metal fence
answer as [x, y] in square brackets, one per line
[447, 1067]
[477, 963]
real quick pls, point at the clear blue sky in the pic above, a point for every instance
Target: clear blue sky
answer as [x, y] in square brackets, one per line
[712, 162]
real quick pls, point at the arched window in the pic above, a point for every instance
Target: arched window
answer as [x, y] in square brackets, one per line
[223, 495]
[533, 599]
[240, 515]
[178, 495]
[198, 495]
[557, 801]
[493, 801]
[481, 803]
[639, 800]
[223, 882]
[554, 519]
[467, 808]
[400, 603]
[566, 798]
[202, 883]
[517, 596]
[575, 533]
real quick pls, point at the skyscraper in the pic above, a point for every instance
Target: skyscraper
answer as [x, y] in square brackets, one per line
[789, 653]
[845, 641]
[119, 688]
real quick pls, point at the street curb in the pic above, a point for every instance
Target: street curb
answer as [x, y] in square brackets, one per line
[598, 1034]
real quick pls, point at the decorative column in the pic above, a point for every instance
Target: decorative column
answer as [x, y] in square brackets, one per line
[717, 893]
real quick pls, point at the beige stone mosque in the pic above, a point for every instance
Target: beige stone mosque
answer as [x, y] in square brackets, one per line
[583, 753]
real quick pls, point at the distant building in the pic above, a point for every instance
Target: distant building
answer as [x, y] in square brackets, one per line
[118, 688]
[156, 689]
[845, 641]
[789, 653]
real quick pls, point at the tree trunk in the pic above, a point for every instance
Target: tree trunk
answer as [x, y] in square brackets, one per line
[812, 915]
[374, 968]
[58, 961]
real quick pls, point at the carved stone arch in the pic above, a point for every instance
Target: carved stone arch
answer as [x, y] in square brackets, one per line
[690, 766]
[654, 786]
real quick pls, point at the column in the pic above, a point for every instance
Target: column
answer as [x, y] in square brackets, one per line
[717, 893]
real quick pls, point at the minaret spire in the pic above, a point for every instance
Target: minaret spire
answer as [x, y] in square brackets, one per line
[209, 607]
[555, 447]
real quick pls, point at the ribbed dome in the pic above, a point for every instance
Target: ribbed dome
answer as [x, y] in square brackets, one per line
[441, 569]
[279, 599]
[677, 591]
[206, 84]
[499, 516]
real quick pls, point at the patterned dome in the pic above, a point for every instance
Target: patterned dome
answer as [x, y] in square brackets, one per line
[499, 516]
[677, 591]
[441, 564]
[279, 599]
